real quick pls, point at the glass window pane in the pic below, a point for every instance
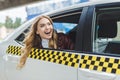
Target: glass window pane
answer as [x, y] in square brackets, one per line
[107, 37]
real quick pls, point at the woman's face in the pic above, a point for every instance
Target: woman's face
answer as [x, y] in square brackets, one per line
[44, 28]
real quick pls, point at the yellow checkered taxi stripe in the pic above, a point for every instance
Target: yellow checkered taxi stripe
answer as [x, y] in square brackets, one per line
[91, 62]
[15, 50]
[59, 57]
[102, 64]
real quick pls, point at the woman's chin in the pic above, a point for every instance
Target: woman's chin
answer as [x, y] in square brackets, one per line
[49, 37]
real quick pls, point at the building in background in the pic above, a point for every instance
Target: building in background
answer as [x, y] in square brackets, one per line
[29, 11]
[4, 32]
[46, 6]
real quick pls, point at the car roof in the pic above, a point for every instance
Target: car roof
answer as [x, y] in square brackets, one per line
[71, 7]
[83, 4]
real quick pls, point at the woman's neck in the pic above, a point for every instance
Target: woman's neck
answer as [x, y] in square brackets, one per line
[45, 43]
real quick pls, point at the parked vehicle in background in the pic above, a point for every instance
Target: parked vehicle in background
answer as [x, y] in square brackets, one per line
[93, 27]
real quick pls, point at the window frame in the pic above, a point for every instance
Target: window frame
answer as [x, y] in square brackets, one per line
[102, 7]
[55, 15]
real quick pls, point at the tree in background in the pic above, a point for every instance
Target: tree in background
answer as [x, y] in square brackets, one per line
[1, 24]
[17, 22]
[8, 22]
[8, 26]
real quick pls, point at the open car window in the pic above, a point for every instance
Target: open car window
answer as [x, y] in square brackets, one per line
[63, 23]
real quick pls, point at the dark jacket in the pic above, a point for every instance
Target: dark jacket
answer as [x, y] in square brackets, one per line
[63, 42]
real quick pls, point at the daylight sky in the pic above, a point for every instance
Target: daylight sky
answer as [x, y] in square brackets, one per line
[13, 13]
[17, 12]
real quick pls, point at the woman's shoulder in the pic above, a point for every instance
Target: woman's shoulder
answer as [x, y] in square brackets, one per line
[63, 36]
[64, 41]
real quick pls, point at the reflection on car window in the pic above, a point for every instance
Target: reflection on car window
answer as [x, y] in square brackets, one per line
[63, 27]
[107, 37]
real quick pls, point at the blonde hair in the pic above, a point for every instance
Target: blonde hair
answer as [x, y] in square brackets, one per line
[33, 40]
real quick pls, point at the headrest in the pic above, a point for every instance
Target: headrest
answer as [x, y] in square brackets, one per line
[107, 29]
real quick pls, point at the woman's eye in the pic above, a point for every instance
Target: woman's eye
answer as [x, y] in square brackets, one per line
[49, 23]
[42, 25]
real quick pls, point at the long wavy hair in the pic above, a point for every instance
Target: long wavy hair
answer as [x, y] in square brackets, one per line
[33, 40]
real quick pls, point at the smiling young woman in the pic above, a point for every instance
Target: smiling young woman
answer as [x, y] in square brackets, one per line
[43, 35]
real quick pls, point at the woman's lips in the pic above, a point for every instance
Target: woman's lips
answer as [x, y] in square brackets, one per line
[47, 32]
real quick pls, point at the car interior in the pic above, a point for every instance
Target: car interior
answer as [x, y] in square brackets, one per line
[66, 18]
[107, 31]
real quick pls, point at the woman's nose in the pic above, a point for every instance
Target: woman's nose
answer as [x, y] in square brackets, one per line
[47, 26]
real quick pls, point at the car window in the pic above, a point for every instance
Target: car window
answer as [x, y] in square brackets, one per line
[21, 37]
[62, 24]
[107, 30]
[63, 27]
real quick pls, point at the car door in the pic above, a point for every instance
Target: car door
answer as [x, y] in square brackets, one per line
[2, 68]
[101, 58]
[47, 64]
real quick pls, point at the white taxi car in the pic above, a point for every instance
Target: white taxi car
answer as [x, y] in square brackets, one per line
[95, 30]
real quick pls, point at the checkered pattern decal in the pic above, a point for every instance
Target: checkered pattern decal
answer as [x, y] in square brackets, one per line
[102, 64]
[15, 50]
[59, 57]
[91, 62]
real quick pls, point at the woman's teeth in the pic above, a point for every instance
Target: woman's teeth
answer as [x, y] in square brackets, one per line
[47, 32]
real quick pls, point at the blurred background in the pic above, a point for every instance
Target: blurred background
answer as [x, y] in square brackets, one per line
[16, 13]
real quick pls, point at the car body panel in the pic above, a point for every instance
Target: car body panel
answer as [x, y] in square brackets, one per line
[49, 62]
[44, 62]
[54, 64]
